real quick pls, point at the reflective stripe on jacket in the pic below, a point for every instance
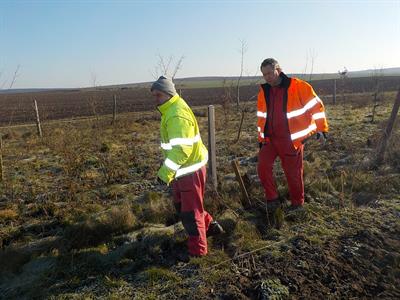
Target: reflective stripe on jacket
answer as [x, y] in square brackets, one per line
[181, 143]
[304, 110]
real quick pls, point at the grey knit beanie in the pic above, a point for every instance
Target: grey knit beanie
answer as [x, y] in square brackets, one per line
[165, 85]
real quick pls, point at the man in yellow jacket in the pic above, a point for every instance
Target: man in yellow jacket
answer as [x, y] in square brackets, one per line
[184, 166]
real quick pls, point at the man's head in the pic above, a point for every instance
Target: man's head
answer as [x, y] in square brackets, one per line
[163, 89]
[271, 70]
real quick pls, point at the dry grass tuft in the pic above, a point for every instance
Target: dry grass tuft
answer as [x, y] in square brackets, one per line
[156, 208]
[7, 215]
[96, 230]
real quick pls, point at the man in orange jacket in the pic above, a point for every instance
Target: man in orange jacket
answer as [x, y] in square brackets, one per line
[288, 113]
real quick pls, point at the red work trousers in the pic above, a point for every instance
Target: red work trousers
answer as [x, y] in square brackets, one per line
[188, 194]
[292, 164]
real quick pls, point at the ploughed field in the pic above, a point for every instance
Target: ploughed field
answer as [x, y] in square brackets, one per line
[67, 104]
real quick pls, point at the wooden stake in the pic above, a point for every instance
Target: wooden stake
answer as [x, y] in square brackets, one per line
[341, 199]
[39, 128]
[239, 178]
[115, 110]
[334, 91]
[212, 162]
[1, 159]
[380, 153]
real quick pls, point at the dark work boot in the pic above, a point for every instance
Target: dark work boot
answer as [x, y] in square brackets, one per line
[295, 213]
[273, 209]
[214, 229]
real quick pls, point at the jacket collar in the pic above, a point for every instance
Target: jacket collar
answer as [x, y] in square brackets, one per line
[166, 105]
[285, 82]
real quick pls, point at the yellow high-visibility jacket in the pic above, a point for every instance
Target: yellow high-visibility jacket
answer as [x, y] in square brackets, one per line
[181, 143]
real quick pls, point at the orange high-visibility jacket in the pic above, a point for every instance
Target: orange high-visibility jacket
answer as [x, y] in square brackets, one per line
[305, 111]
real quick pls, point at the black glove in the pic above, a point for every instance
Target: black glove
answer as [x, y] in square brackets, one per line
[322, 136]
[159, 181]
[161, 186]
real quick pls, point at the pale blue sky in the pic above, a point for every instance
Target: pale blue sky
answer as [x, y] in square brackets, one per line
[61, 43]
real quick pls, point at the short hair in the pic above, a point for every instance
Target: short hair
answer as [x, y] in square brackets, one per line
[270, 62]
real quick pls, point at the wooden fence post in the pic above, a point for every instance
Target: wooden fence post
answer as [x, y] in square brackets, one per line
[380, 153]
[343, 92]
[212, 161]
[115, 110]
[334, 91]
[39, 128]
[1, 159]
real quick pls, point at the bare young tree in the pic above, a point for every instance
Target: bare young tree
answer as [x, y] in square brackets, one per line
[254, 82]
[305, 67]
[92, 100]
[164, 65]
[387, 132]
[343, 76]
[12, 82]
[378, 91]
[93, 79]
[13, 79]
[242, 51]
[226, 99]
[178, 66]
[313, 56]
[310, 59]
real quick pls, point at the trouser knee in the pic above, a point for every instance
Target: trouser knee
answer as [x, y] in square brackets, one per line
[189, 223]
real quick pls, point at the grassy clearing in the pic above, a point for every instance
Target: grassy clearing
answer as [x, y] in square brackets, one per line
[81, 217]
